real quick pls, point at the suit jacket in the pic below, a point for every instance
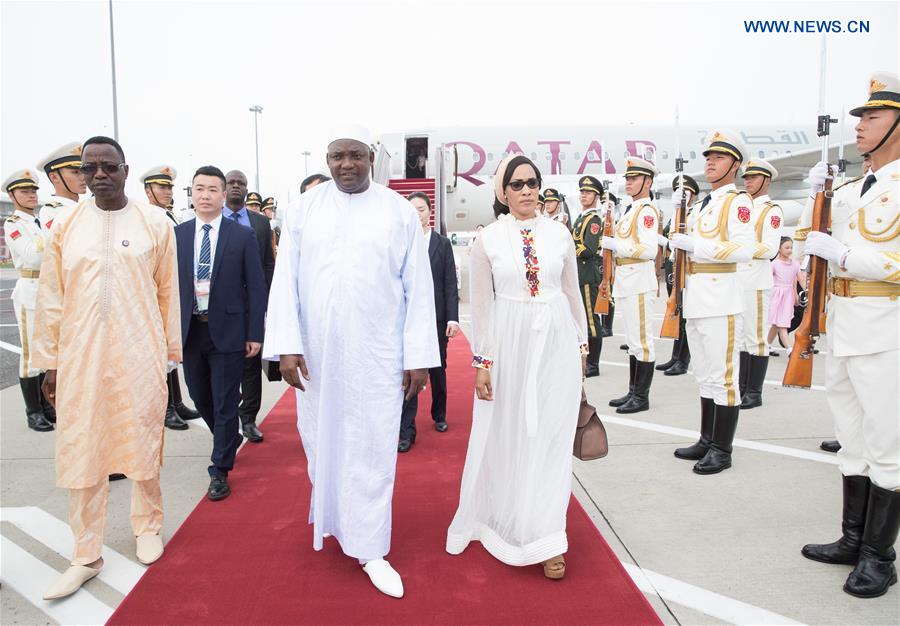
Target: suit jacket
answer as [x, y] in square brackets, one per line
[237, 293]
[443, 274]
[263, 230]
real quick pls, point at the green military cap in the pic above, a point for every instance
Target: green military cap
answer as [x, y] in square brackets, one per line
[689, 183]
[68, 155]
[161, 175]
[253, 198]
[612, 198]
[589, 183]
[540, 199]
[727, 142]
[884, 93]
[758, 166]
[635, 166]
[22, 179]
[268, 203]
[551, 194]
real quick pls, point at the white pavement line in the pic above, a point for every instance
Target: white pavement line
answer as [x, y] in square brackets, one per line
[740, 443]
[118, 572]
[654, 338]
[31, 577]
[707, 602]
[10, 347]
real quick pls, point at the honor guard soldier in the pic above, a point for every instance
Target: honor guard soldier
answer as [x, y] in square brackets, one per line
[159, 185]
[587, 233]
[540, 205]
[25, 242]
[863, 338]
[268, 209]
[62, 167]
[756, 278]
[719, 236]
[253, 201]
[553, 207]
[681, 352]
[635, 249]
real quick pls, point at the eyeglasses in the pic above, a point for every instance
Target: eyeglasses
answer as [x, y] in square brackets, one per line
[517, 185]
[89, 169]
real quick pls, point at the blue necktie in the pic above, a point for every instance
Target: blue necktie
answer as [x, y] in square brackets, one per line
[236, 216]
[870, 180]
[705, 202]
[204, 261]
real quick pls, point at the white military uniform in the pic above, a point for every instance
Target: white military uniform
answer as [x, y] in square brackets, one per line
[722, 234]
[636, 285]
[26, 244]
[67, 156]
[51, 209]
[863, 325]
[756, 274]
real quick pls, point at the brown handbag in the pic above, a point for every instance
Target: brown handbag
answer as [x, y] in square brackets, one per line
[590, 435]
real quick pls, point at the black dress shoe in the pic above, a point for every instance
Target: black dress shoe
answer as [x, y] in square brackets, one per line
[404, 445]
[591, 370]
[218, 488]
[831, 445]
[624, 346]
[678, 368]
[441, 427]
[252, 433]
[186, 413]
[38, 422]
[113, 477]
[173, 421]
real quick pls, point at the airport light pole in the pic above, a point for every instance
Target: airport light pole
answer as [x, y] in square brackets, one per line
[306, 154]
[256, 110]
[112, 56]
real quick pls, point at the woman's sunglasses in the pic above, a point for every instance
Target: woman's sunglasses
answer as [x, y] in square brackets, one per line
[89, 169]
[517, 185]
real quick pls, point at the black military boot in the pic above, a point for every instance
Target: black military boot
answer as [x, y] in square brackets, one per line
[875, 570]
[831, 445]
[593, 358]
[664, 366]
[184, 412]
[34, 411]
[718, 457]
[684, 358]
[752, 397]
[49, 410]
[640, 399]
[632, 370]
[172, 420]
[743, 372]
[845, 551]
[606, 328]
[698, 450]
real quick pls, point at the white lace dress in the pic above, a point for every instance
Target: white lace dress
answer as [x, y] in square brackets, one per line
[529, 330]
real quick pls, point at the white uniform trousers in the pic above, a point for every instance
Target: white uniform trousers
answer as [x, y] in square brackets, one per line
[714, 356]
[756, 322]
[864, 395]
[87, 515]
[636, 312]
[25, 320]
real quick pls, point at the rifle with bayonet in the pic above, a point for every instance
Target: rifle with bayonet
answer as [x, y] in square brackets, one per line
[671, 326]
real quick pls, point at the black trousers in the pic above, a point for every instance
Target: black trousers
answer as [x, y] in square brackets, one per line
[251, 389]
[437, 377]
[213, 379]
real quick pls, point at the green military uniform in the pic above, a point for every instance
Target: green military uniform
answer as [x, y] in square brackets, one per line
[587, 232]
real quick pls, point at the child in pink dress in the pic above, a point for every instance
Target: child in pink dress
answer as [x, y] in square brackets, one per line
[786, 273]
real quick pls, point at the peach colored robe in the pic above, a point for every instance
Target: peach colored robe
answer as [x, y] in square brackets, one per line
[107, 320]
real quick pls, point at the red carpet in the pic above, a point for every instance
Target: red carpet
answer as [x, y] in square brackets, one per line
[249, 559]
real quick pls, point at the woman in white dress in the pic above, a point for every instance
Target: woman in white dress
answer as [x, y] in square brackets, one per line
[529, 340]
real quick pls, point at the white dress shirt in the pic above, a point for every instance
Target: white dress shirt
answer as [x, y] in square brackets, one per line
[213, 238]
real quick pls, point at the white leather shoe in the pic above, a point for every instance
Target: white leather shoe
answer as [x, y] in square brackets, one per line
[149, 548]
[384, 577]
[70, 581]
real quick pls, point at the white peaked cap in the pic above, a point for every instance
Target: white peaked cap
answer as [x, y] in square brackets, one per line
[356, 132]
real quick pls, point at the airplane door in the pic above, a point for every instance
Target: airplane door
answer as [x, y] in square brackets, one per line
[449, 167]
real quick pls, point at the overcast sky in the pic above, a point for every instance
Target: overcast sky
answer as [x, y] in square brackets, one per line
[188, 72]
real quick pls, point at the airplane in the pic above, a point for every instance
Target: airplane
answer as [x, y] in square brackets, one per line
[455, 165]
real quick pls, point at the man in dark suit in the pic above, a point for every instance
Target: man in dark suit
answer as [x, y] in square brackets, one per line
[223, 302]
[235, 209]
[446, 303]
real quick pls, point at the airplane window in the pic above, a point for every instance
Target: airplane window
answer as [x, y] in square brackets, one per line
[693, 154]
[548, 156]
[762, 154]
[665, 155]
[787, 152]
[577, 155]
[534, 156]
[490, 156]
[505, 154]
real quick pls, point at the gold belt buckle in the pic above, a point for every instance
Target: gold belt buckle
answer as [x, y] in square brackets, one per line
[840, 287]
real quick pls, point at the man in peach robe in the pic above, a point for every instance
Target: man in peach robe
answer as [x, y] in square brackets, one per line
[108, 304]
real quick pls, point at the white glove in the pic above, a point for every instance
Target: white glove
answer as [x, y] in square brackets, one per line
[825, 247]
[609, 243]
[662, 241]
[677, 195]
[171, 366]
[817, 177]
[682, 242]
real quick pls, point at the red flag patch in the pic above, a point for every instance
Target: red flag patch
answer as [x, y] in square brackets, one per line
[744, 214]
[15, 235]
[775, 221]
[595, 228]
[648, 221]
[49, 224]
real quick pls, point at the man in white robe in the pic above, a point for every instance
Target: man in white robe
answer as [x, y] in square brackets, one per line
[351, 319]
